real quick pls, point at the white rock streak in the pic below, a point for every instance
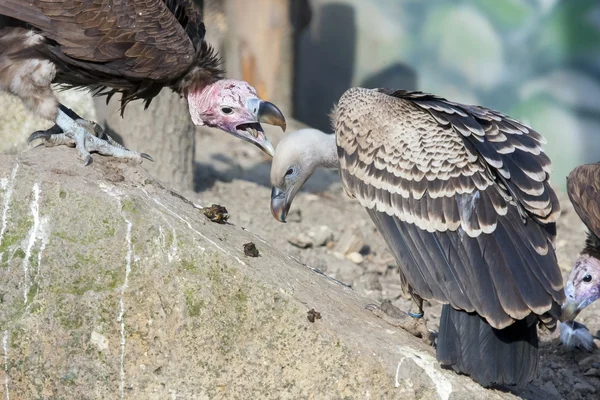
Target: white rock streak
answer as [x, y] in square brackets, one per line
[113, 192]
[10, 186]
[6, 380]
[35, 213]
[428, 364]
[122, 303]
[173, 250]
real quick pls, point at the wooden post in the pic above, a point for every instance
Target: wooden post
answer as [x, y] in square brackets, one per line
[165, 131]
[259, 48]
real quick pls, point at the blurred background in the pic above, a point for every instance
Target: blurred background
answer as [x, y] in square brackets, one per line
[537, 60]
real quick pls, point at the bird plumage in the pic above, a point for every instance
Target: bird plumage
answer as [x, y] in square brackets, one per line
[131, 47]
[462, 196]
[583, 283]
[583, 188]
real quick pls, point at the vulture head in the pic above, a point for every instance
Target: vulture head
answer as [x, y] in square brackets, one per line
[234, 106]
[297, 156]
[582, 287]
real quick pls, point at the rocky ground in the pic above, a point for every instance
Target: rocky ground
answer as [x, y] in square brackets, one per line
[329, 231]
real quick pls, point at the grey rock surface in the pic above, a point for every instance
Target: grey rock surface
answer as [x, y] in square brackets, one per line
[114, 287]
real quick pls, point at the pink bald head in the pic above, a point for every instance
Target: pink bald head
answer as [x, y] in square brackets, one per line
[234, 106]
[583, 286]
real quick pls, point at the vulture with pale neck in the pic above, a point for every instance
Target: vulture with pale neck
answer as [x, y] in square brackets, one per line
[583, 285]
[461, 195]
[132, 47]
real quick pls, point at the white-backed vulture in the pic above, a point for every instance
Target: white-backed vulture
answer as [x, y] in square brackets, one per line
[461, 195]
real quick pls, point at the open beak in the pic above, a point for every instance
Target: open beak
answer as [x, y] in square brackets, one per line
[279, 204]
[252, 132]
[263, 112]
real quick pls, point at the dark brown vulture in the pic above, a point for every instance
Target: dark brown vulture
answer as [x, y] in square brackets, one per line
[132, 47]
[461, 195]
[583, 285]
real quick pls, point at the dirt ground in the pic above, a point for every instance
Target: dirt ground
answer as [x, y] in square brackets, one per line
[329, 231]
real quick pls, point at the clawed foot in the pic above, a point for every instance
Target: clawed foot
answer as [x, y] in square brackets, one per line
[395, 317]
[575, 335]
[87, 136]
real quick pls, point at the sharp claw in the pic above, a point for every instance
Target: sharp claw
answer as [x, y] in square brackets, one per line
[38, 135]
[146, 156]
[88, 160]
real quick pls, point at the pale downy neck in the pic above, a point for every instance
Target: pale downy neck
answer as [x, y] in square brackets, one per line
[326, 151]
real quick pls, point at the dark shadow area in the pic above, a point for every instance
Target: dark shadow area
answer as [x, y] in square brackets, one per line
[112, 133]
[324, 65]
[396, 76]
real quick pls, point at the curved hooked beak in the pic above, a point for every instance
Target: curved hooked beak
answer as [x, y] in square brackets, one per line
[569, 311]
[279, 204]
[268, 113]
[575, 303]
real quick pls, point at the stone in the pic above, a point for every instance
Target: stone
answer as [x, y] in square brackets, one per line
[355, 257]
[124, 290]
[350, 241]
[550, 388]
[584, 387]
[322, 235]
[295, 215]
[302, 241]
[587, 362]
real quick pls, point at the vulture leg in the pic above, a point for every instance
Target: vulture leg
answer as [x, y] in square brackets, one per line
[416, 326]
[72, 130]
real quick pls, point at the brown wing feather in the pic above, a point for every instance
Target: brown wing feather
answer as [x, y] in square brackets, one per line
[135, 47]
[461, 195]
[583, 187]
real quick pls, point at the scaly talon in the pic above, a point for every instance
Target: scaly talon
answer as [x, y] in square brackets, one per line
[72, 130]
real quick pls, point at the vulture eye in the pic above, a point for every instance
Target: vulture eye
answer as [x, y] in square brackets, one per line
[289, 172]
[226, 110]
[587, 278]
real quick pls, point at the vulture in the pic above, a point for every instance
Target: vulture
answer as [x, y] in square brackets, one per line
[461, 195]
[583, 284]
[132, 47]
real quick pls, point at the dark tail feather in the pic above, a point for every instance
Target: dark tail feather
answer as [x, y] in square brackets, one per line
[468, 344]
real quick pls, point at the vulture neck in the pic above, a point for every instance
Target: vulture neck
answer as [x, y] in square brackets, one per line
[324, 149]
[592, 245]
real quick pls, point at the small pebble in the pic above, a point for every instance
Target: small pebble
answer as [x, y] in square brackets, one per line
[550, 388]
[250, 250]
[587, 361]
[355, 257]
[584, 387]
[216, 213]
[302, 241]
[294, 216]
[322, 235]
[312, 315]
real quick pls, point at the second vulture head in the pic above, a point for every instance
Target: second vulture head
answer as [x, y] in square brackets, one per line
[582, 287]
[297, 156]
[234, 106]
